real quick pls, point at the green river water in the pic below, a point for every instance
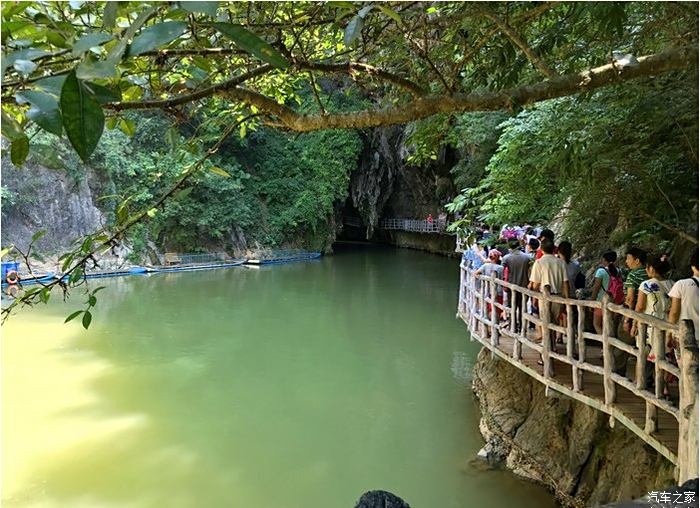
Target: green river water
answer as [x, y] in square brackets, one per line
[296, 386]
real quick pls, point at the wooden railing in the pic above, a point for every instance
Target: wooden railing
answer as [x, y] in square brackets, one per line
[584, 369]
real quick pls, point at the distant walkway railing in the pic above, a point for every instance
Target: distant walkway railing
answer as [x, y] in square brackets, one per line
[355, 222]
[584, 368]
[417, 226]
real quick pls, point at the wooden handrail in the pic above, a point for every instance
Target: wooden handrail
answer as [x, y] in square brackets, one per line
[478, 291]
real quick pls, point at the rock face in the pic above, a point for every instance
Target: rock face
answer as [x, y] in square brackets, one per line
[41, 198]
[561, 443]
[386, 185]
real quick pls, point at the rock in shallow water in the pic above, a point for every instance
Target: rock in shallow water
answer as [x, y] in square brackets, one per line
[380, 499]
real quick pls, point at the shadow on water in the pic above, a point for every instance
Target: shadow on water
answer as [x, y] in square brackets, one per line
[299, 385]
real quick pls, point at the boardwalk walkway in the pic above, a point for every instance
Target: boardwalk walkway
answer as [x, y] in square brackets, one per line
[583, 366]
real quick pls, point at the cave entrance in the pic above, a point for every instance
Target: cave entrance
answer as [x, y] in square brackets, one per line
[354, 228]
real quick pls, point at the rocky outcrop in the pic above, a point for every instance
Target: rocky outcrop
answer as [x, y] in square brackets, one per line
[381, 161]
[561, 443]
[37, 198]
[387, 185]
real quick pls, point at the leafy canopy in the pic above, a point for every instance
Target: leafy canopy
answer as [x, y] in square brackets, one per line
[68, 65]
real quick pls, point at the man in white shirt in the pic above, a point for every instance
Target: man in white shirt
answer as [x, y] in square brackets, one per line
[550, 271]
[684, 297]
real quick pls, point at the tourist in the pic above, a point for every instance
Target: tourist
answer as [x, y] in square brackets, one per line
[576, 278]
[533, 245]
[654, 300]
[493, 267]
[635, 260]
[602, 284]
[550, 272]
[517, 263]
[684, 297]
[573, 269]
[430, 219]
[547, 234]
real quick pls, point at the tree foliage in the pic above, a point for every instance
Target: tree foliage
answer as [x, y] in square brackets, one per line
[622, 161]
[88, 56]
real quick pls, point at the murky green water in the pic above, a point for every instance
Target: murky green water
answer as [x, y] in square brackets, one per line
[297, 386]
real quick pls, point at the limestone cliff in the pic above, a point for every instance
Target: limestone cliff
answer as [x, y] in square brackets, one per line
[36, 198]
[561, 443]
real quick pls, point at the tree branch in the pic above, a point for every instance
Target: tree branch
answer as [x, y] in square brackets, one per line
[350, 67]
[423, 107]
[520, 42]
[201, 94]
[540, 9]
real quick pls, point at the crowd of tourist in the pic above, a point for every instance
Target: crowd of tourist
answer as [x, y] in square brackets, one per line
[528, 257]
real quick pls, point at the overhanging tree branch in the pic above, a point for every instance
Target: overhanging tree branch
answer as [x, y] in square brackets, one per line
[520, 42]
[350, 67]
[423, 107]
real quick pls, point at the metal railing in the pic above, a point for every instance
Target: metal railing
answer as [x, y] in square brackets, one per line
[589, 357]
[417, 226]
[352, 221]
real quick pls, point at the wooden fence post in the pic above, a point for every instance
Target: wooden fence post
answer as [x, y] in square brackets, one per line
[494, 314]
[688, 405]
[639, 371]
[608, 360]
[570, 344]
[581, 344]
[657, 347]
[546, 342]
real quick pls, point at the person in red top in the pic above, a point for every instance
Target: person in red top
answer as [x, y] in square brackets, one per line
[430, 218]
[549, 235]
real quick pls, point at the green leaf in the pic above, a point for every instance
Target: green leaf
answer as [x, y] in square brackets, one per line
[44, 295]
[11, 129]
[74, 315]
[82, 116]
[22, 54]
[156, 36]
[38, 235]
[109, 16]
[19, 151]
[365, 10]
[88, 41]
[391, 13]
[24, 67]
[251, 43]
[152, 212]
[44, 110]
[172, 136]
[87, 319]
[208, 8]
[92, 68]
[128, 127]
[57, 39]
[184, 193]
[4, 252]
[51, 85]
[219, 171]
[102, 94]
[92, 300]
[353, 30]
[99, 288]
[45, 155]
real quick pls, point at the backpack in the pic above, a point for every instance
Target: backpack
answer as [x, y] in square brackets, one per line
[615, 288]
[662, 299]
